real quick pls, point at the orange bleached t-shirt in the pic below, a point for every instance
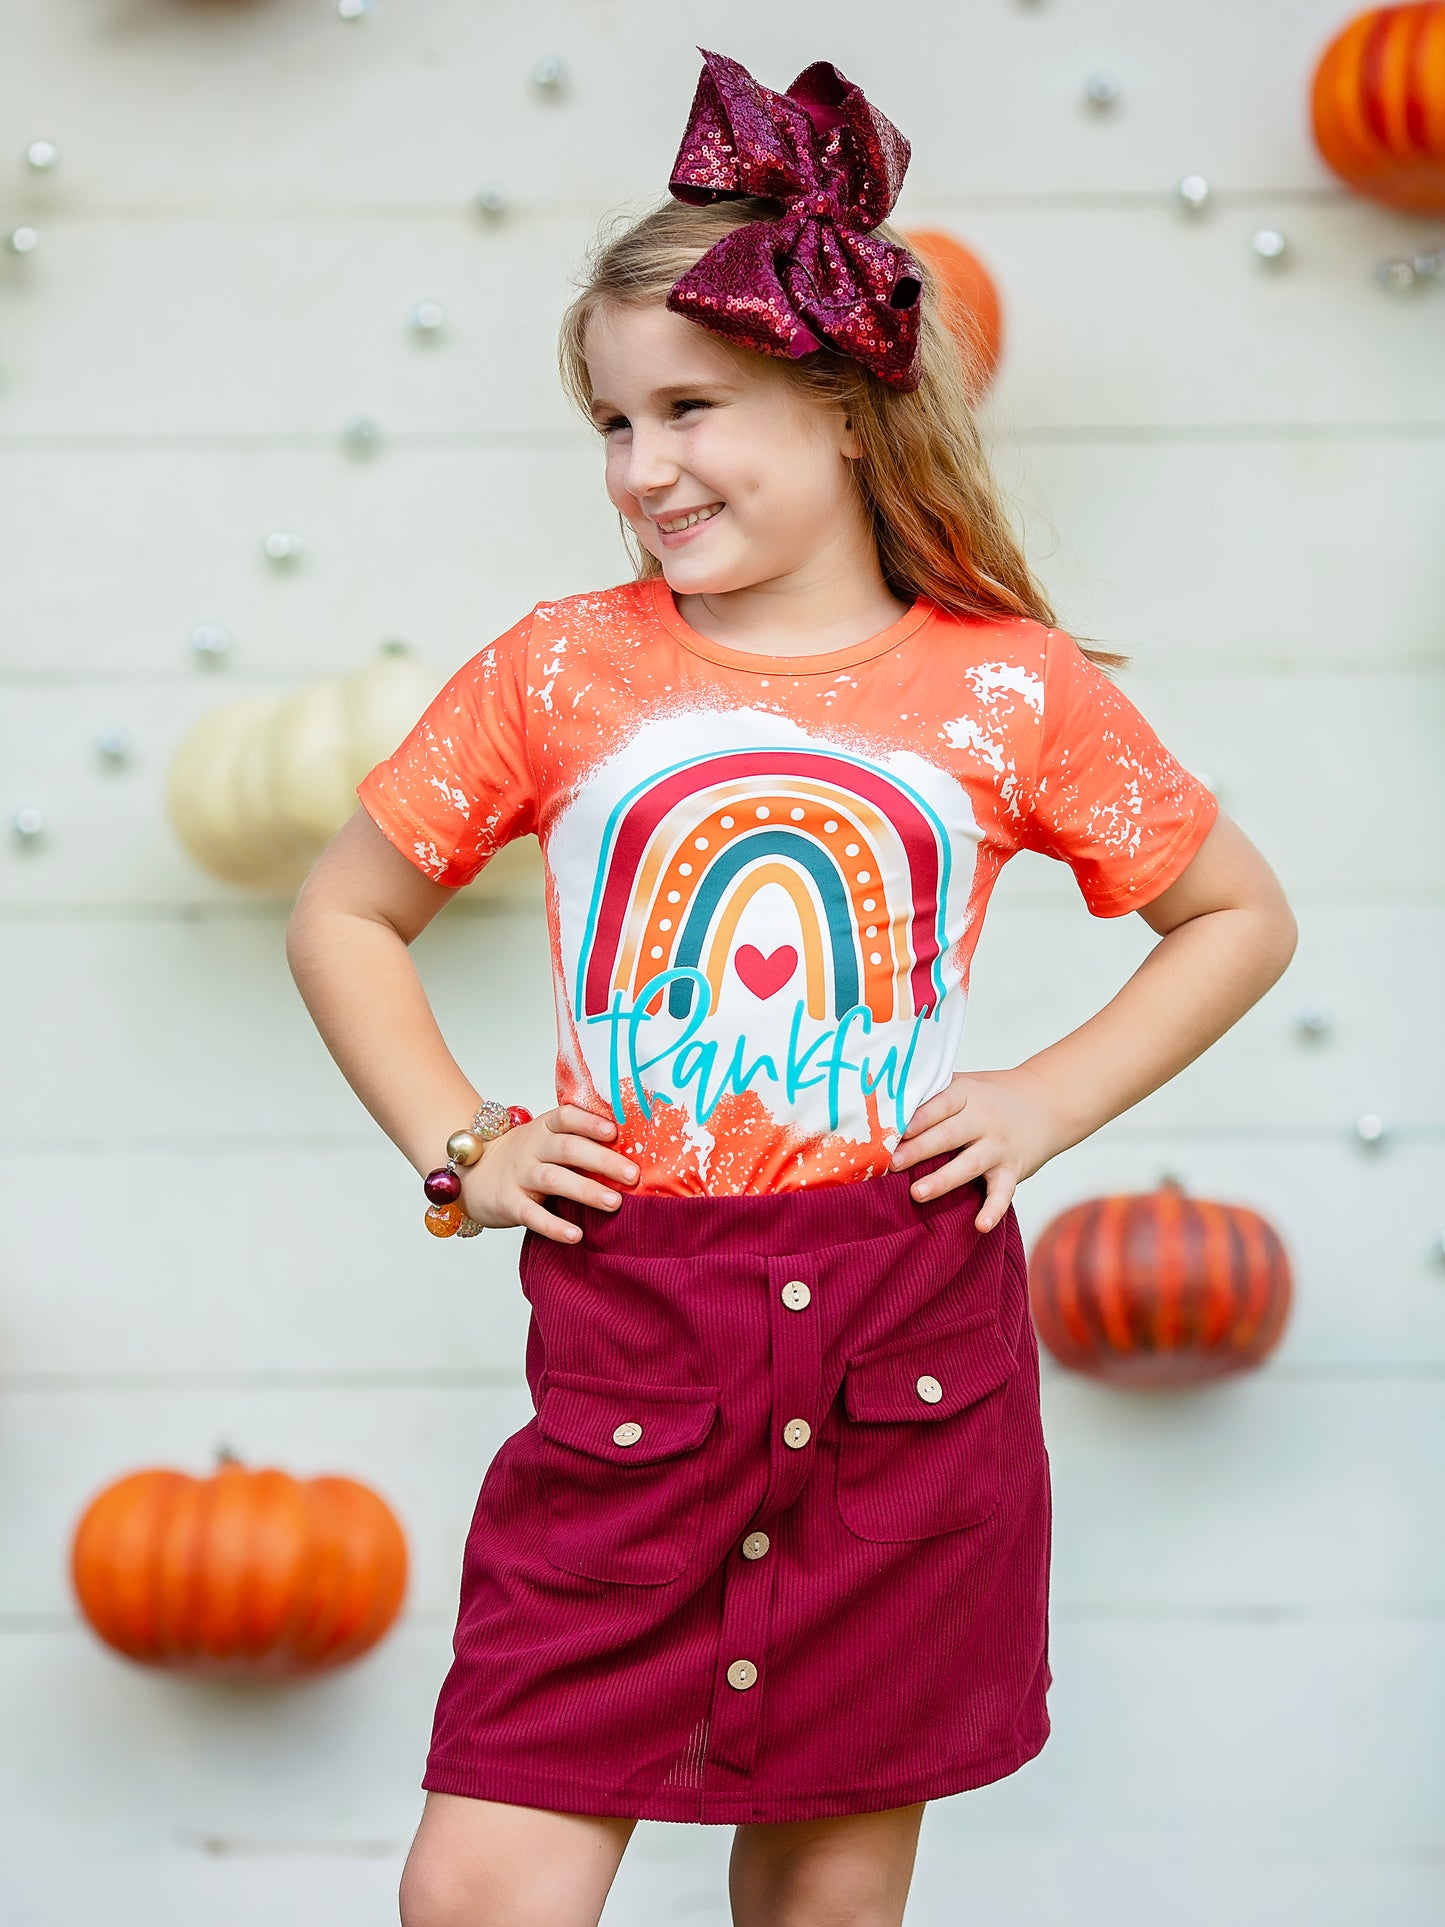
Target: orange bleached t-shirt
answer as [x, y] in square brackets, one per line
[766, 875]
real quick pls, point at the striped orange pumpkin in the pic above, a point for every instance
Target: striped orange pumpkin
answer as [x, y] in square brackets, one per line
[1159, 1289]
[249, 1574]
[1379, 105]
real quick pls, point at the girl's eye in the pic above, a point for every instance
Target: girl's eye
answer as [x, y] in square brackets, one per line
[611, 424]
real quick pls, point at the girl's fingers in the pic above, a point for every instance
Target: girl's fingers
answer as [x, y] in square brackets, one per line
[537, 1218]
[561, 1181]
[572, 1117]
[933, 1112]
[949, 1134]
[567, 1124]
[970, 1164]
[595, 1157]
[943, 1104]
[998, 1198]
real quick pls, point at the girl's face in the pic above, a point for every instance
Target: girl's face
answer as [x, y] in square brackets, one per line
[728, 472]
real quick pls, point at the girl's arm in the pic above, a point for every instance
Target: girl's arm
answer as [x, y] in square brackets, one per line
[347, 943]
[1226, 936]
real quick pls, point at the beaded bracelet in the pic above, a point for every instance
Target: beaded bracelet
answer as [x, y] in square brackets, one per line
[445, 1218]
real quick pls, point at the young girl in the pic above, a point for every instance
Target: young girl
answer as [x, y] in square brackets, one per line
[774, 1550]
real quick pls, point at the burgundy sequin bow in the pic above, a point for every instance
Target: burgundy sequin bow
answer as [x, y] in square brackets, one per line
[816, 276]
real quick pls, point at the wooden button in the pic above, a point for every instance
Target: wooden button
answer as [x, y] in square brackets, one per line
[755, 1545]
[742, 1674]
[797, 1432]
[929, 1390]
[796, 1295]
[628, 1433]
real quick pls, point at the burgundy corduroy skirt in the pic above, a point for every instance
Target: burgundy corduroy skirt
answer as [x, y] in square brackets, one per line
[776, 1544]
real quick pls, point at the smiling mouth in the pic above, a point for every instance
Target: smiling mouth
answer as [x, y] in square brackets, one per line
[677, 523]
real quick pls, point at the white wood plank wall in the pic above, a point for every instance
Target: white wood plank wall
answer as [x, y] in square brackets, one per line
[1238, 474]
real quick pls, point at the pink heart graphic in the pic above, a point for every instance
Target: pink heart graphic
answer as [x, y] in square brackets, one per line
[763, 975]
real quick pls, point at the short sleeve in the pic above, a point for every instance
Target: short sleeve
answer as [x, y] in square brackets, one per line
[460, 785]
[1107, 797]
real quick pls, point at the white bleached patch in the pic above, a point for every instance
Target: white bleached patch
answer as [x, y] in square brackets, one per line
[701, 1142]
[992, 679]
[551, 670]
[963, 732]
[456, 797]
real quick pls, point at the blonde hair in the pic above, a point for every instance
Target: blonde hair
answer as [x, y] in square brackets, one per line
[938, 520]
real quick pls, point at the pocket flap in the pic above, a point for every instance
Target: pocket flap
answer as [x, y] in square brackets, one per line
[930, 1375]
[625, 1424]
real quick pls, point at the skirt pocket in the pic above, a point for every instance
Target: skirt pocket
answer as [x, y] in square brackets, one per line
[624, 1475]
[919, 1452]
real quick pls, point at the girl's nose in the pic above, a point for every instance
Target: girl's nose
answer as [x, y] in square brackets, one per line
[650, 468]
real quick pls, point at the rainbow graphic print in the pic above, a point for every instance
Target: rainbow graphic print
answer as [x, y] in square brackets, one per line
[773, 918]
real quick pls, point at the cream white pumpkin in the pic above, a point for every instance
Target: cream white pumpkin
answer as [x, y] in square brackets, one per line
[260, 786]
[203, 795]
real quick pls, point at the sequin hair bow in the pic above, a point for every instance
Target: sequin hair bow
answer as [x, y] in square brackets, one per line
[815, 276]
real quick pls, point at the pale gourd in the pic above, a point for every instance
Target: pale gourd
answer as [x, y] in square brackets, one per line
[204, 799]
[260, 786]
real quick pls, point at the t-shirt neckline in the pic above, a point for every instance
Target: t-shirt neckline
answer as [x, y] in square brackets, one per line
[807, 665]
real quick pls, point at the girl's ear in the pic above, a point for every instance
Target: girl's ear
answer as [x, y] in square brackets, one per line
[850, 447]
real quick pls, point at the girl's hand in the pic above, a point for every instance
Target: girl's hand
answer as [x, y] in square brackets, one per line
[1006, 1124]
[546, 1157]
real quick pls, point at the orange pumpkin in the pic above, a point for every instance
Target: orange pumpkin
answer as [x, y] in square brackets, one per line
[1159, 1289]
[970, 301]
[1379, 105]
[250, 1574]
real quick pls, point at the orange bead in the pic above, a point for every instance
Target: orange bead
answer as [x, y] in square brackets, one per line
[442, 1220]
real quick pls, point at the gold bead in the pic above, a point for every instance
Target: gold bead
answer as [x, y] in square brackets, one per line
[464, 1147]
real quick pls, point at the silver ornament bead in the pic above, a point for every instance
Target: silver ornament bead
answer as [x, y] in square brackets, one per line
[1314, 1020]
[282, 546]
[1399, 277]
[113, 745]
[41, 156]
[1193, 193]
[1101, 91]
[361, 436]
[492, 1119]
[549, 76]
[27, 823]
[426, 318]
[22, 240]
[353, 9]
[210, 642]
[1370, 1129]
[493, 200]
[1269, 244]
